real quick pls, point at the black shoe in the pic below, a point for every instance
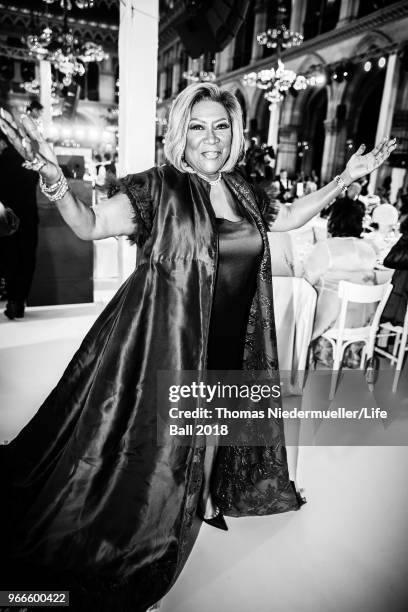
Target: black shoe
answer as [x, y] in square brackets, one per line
[14, 309]
[217, 521]
[301, 500]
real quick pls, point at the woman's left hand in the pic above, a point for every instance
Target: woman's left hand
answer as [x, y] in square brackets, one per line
[359, 165]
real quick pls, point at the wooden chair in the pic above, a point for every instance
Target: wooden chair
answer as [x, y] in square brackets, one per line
[341, 336]
[400, 341]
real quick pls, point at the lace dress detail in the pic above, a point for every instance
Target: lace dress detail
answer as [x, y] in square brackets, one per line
[254, 480]
[138, 188]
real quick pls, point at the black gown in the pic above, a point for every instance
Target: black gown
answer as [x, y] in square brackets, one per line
[239, 255]
[100, 507]
[240, 252]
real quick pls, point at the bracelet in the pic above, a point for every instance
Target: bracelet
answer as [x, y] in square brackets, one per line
[340, 183]
[51, 188]
[57, 190]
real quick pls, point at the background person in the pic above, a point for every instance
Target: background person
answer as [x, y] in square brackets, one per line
[8, 222]
[285, 186]
[396, 306]
[343, 256]
[35, 112]
[384, 223]
[18, 188]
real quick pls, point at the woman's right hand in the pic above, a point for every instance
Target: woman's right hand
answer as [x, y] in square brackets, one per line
[31, 145]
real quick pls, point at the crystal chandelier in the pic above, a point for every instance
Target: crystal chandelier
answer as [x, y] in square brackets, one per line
[65, 52]
[82, 4]
[280, 38]
[33, 88]
[38, 43]
[196, 76]
[277, 80]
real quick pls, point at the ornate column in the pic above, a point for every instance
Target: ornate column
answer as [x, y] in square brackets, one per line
[332, 125]
[348, 11]
[329, 160]
[107, 82]
[287, 153]
[387, 108]
[137, 105]
[45, 94]
[176, 78]
[275, 110]
[225, 58]
[259, 26]
[17, 72]
[162, 84]
[298, 15]
[139, 21]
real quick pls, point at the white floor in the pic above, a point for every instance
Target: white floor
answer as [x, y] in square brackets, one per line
[346, 550]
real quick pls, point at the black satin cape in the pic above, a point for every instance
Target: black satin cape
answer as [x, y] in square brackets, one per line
[94, 504]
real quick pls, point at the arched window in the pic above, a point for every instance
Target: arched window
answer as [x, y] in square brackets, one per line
[117, 84]
[259, 125]
[168, 63]
[241, 100]
[81, 80]
[92, 79]
[6, 68]
[312, 133]
[183, 68]
[209, 62]
[28, 71]
[283, 12]
[365, 108]
[321, 16]
[243, 40]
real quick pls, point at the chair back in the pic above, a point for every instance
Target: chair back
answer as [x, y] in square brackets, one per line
[363, 294]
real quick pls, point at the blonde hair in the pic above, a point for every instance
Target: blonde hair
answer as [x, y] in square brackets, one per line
[179, 119]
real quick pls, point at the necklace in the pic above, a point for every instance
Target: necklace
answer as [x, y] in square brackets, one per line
[212, 183]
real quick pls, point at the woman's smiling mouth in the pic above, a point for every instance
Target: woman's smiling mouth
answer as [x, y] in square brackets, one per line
[211, 154]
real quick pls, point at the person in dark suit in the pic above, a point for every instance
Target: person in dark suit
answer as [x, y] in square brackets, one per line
[8, 221]
[285, 186]
[18, 249]
[397, 259]
[8, 224]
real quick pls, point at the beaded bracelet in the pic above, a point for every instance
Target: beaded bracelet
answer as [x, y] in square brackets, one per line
[51, 188]
[57, 190]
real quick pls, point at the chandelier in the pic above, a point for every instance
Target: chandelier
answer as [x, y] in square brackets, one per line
[82, 4]
[33, 88]
[63, 49]
[196, 76]
[280, 38]
[277, 80]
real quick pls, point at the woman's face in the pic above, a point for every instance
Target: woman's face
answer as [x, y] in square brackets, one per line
[209, 137]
